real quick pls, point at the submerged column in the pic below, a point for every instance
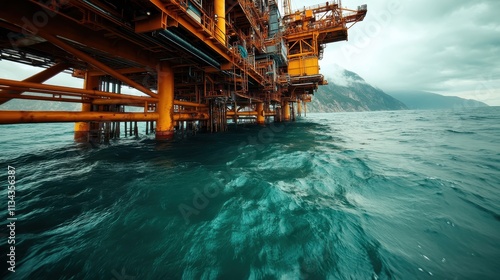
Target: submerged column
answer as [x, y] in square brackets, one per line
[299, 107]
[261, 118]
[220, 13]
[165, 109]
[82, 129]
[286, 111]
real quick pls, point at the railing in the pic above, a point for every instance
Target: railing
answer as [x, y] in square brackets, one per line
[209, 27]
[284, 79]
[208, 24]
[252, 14]
[320, 7]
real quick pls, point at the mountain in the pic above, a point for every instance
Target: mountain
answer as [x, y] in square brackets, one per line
[348, 92]
[429, 100]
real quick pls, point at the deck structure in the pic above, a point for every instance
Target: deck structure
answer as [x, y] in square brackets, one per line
[195, 63]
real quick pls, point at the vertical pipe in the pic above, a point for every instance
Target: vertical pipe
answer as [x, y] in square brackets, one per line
[82, 129]
[261, 119]
[107, 130]
[117, 135]
[224, 116]
[165, 107]
[220, 13]
[286, 111]
[299, 107]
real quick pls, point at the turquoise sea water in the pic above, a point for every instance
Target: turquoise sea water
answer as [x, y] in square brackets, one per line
[376, 195]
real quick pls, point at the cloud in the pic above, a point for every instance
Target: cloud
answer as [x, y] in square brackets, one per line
[449, 47]
[337, 74]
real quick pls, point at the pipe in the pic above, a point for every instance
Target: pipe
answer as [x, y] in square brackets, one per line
[124, 101]
[244, 113]
[82, 128]
[37, 78]
[190, 116]
[13, 117]
[89, 59]
[189, 104]
[286, 111]
[43, 98]
[34, 87]
[165, 105]
[114, 101]
[220, 14]
[172, 37]
[261, 117]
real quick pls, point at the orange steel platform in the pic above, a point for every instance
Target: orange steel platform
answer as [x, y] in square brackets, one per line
[202, 63]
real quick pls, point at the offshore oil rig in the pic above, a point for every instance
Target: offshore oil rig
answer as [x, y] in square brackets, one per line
[198, 64]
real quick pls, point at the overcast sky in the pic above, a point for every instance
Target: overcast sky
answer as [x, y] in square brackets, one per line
[451, 47]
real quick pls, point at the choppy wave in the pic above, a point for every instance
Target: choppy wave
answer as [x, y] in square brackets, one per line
[381, 195]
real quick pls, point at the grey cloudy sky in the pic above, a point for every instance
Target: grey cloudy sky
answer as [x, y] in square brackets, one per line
[449, 47]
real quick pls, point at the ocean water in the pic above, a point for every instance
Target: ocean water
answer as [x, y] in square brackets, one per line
[376, 195]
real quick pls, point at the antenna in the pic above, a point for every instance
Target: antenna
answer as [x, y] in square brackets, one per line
[287, 7]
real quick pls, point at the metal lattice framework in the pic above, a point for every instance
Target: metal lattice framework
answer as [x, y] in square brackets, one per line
[204, 61]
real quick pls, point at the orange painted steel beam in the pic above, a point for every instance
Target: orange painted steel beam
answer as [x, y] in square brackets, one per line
[261, 117]
[13, 117]
[190, 116]
[50, 94]
[87, 58]
[134, 102]
[37, 78]
[115, 101]
[189, 104]
[82, 129]
[220, 14]
[42, 91]
[16, 12]
[299, 107]
[61, 90]
[195, 30]
[130, 70]
[44, 98]
[152, 23]
[99, 101]
[286, 110]
[244, 113]
[165, 105]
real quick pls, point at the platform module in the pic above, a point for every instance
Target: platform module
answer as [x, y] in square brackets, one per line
[197, 64]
